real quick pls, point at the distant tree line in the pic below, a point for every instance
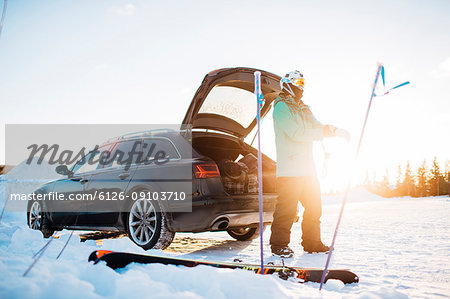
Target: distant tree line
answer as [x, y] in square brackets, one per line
[426, 181]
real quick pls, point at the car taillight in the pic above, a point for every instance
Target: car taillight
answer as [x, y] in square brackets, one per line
[203, 171]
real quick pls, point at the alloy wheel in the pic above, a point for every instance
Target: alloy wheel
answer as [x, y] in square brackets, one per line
[35, 216]
[142, 221]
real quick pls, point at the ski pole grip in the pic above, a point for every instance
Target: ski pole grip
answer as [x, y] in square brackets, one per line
[258, 91]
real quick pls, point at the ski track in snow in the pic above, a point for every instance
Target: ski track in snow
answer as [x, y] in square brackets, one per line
[400, 248]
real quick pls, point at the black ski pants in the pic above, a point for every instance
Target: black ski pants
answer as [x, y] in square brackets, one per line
[305, 189]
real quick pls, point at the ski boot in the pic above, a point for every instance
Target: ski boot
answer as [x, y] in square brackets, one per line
[283, 252]
[316, 247]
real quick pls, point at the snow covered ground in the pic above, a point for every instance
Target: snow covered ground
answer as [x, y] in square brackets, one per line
[399, 248]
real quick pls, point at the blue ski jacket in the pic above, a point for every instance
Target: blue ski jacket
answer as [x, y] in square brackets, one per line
[295, 132]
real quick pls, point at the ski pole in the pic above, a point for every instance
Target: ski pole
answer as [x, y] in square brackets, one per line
[3, 210]
[259, 103]
[68, 239]
[3, 16]
[347, 190]
[65, 245]
[6, 200]
[37, 256]
[42, 248]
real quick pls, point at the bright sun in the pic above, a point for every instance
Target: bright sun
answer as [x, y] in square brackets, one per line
[334, 159]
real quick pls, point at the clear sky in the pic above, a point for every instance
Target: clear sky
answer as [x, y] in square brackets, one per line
[141, 62]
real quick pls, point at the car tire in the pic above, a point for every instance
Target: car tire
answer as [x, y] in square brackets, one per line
[37, 219]
[245, 234]
[147, 225]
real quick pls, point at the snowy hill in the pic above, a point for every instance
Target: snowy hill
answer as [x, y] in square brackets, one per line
[32, 171]
[24, 179]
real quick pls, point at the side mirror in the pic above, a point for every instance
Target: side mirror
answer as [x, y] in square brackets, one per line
[63, 170]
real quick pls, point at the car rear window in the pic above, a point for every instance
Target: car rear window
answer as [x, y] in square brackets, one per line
[231, 102]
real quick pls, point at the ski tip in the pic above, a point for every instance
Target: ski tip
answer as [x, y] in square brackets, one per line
[92, 256]
[95, 255]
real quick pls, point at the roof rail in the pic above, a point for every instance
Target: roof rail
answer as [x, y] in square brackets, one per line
[141, 134]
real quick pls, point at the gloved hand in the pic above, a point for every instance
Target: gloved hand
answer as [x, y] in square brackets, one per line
[341, 133]
[329, 131]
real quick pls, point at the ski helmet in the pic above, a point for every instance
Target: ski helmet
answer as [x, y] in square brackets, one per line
[295, 78]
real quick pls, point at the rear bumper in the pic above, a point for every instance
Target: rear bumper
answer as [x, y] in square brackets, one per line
[237, 211]
[236, 220]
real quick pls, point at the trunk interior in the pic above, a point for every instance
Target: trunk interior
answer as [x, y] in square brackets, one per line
[219, 147]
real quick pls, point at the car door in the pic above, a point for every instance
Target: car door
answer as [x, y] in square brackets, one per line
[165, 174]
[70, 208]
[108, 184]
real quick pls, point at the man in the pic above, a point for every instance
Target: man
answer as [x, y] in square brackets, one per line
[295, 130]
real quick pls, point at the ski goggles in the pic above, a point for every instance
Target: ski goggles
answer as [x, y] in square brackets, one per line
[299, 82]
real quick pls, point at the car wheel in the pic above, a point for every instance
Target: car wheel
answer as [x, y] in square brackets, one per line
[147, 226]
[37, 220]
[246, 233]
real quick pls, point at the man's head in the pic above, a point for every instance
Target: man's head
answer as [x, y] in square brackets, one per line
[293, 83]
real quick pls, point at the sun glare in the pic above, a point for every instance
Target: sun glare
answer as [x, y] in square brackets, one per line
[334, 161]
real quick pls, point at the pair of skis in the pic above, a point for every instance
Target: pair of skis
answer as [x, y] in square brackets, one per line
[117, 260]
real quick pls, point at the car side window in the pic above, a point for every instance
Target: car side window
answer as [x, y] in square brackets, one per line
[124, 153]
[90, 161]
[152, 146]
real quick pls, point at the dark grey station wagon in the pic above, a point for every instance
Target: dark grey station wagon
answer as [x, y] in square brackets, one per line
[221, 165]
